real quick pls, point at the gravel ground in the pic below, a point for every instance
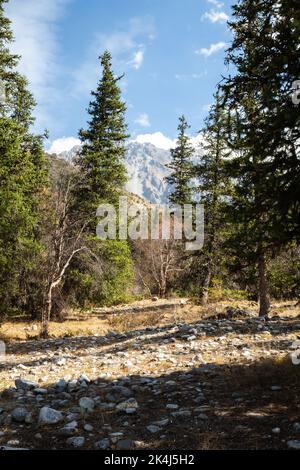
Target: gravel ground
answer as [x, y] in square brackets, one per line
[224, 382]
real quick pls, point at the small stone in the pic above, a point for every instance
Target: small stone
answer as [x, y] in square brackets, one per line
[296, 427]
[40, 391]
[102, 445]
[76, 441]
[69, 429]
[84, 378]
[61, 362]
[130, 406]
[49, 416]
[61, 385]
[125, 444]
[181, 414]
[115, 436]
[118, 392]
[162, 422]
[72, 385]
[153, 428]
[172, 406]
[276, 430]
[86, 404]
[295, 445]
[88, 427]
[23, 384]
[203, 417]
[171, 383]
[13, 442]
[276, 388]
[19, 414]
[29, 418]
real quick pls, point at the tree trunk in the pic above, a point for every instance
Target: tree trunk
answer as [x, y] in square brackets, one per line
[44, 332]
[264, 297]
[46, 314]
[205, 288]
[163, 290]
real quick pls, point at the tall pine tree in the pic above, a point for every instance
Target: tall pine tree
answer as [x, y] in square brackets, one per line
[212, 188]
[264, 131]
[22, 178]
[181, 167]
[102, 180]
[102, 157]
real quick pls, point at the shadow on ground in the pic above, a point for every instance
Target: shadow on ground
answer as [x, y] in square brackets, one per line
[238, 409]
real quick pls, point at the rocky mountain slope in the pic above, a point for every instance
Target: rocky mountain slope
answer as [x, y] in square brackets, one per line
[146, 170]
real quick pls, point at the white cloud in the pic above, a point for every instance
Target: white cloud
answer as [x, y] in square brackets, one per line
[157, 138]
[193, 76]
[137, 60]
[161, 141]
[216, 16]
[143, 120]
[33, 24]
[216, 3]
[195, 141]
[206, 108]
[64, 144]
[125, 46]
[212, 49]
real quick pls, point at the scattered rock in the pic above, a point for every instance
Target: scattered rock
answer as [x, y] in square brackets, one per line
[102, 445]
[181, 414]
[61, 362]
[61, 385]
[49, 416]
[118, 393]
[125, 444]
[153, 428]
[76, 441]
[162, 422]
[88, 427]
[19, 414]
[276, 430]
[86, 404]
[130, 406]
[295, 445]
[296, 427]
[29, 419]
[69, 429]
[172, 406]
[13, 442]
[23, 384]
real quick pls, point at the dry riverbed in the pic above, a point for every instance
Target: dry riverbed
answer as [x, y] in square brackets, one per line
[185, 379]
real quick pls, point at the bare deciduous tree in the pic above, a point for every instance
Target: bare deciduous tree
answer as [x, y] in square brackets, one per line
[157, 263]
[64, 239]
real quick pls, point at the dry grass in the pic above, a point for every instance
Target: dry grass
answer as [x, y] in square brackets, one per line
[24, 330]
[20, 331]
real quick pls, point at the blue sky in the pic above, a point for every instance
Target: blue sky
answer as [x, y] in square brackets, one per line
[171, 51]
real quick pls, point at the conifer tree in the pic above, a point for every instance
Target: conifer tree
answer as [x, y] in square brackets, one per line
[22, 177]
[102, 180]
[212, 187]
[181, 167]
[263, 131]
[102, 157]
